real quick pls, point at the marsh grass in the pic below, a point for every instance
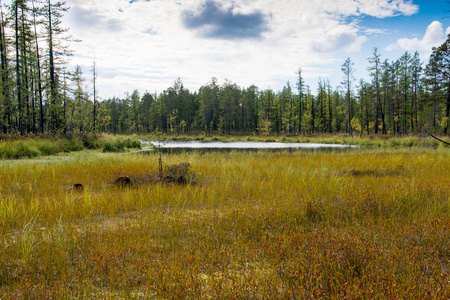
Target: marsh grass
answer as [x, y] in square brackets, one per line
[370, 141]
[121, 144]
[260, 225]
[28, 147]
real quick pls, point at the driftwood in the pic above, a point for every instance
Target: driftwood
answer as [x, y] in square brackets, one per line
[447, 143]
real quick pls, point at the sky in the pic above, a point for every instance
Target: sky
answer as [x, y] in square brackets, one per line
[146, 45]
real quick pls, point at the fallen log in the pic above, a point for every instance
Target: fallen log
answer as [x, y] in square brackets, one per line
[447, 143]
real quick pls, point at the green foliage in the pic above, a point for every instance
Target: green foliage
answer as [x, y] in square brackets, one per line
[121, 144]
[113, 147]
[400, 99]
[16, 150]
[35, 147]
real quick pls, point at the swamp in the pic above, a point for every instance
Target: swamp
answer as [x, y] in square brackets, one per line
[304, 224]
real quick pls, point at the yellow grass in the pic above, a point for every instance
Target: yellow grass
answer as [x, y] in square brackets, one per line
[260, 225]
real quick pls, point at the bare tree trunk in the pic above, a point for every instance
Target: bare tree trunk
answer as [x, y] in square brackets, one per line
[447, 108]
[53, 93]
[95, 95]
[39, 81]
[18, 77]
[4, 78]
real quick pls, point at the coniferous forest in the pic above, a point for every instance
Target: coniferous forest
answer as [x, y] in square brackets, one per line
[87, 213]
[39, 94]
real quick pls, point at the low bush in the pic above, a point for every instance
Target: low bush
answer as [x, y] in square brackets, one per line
[120, 145]
[113, 147]
[16, 150]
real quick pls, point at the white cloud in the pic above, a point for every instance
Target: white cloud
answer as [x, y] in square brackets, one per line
[339, 38]
[434, 36]
[375, 8]
[145, 45]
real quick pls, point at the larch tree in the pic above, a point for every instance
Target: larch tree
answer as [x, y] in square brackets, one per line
[6, 97]
[300, 104]
[405, 89]
[442, 57]
[416, 69]
[79, 98]
[348, 69]
[17, 9]
[375, 72]
[433, 82]
[38, 82]
[57, 49]
[94, 81]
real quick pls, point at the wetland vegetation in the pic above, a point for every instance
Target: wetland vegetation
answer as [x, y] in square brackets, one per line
[85, 215]
[372, 222]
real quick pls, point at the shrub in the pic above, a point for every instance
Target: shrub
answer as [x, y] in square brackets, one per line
[120, 145]
[131, 143]
[91, 141]
[113, 147]
[72, 144]
[179, 170]
[17, 150]
[49, 148]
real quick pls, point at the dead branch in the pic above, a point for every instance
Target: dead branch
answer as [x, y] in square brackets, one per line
[447, 143]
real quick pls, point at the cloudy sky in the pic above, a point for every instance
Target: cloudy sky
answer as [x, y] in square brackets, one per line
[147, 44]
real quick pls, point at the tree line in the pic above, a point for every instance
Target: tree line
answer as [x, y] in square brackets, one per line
[34, 88]
[402, 97]
[39, 95]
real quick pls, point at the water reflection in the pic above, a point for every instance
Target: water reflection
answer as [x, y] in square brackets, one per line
[227, 146]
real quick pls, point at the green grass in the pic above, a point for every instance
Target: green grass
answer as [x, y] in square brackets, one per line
[121, 144]
[369, 223]
[29, 147]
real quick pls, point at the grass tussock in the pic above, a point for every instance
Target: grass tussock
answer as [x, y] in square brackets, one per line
[366, 224]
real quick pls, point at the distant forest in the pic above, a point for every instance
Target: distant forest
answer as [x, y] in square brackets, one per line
[39, 95]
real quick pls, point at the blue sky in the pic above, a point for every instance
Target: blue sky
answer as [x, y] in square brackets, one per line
[392, 29]
[147, 45]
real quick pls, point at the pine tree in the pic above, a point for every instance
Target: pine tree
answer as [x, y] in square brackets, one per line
[300, 104]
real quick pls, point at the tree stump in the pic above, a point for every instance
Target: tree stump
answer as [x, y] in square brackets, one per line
[77, 187]
[123, 181]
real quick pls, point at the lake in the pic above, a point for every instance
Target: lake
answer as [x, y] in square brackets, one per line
[199, 145]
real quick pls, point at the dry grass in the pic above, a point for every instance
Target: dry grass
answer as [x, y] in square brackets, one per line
[286, 225]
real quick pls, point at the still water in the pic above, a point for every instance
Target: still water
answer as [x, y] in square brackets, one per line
[241, 145]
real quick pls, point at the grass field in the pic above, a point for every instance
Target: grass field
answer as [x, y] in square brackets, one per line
[362, 224]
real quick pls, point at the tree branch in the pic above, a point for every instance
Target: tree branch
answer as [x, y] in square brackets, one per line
[438, 139]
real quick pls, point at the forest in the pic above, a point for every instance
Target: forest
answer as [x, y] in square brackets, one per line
[88, 213]
[39, 95]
